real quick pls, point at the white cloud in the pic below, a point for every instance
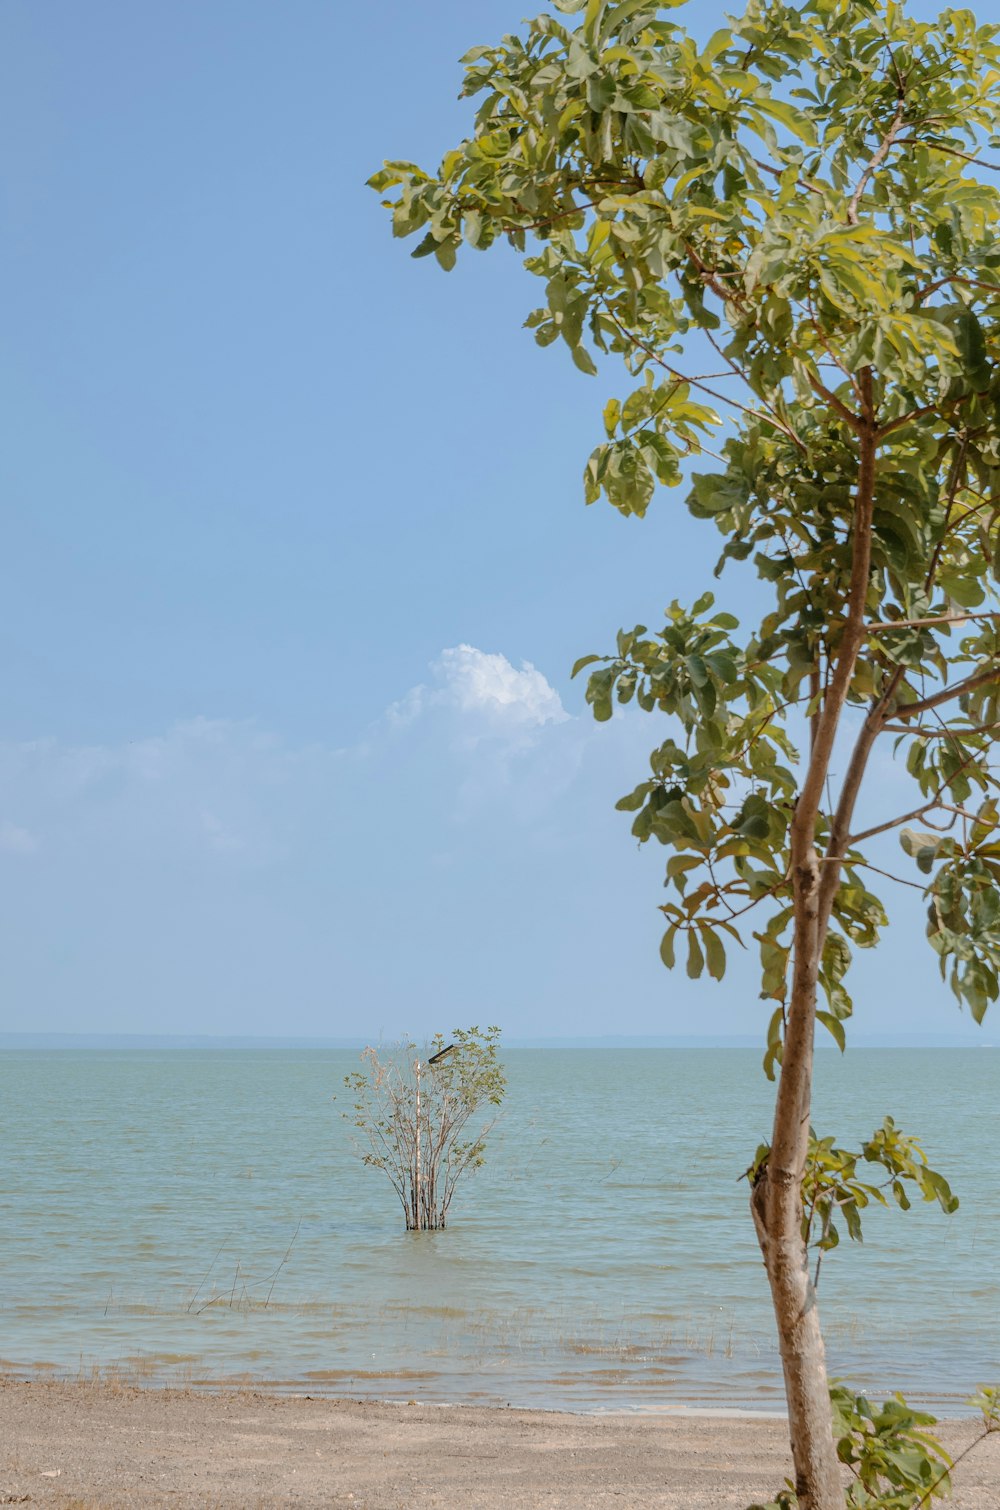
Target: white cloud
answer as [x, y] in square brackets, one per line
[234, 791]
[405, 709]
[478, 681]
[486, 686]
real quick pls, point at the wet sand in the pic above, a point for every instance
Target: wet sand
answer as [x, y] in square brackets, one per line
[81, 1445]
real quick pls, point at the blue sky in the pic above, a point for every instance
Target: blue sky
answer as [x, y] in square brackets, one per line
[296, 564]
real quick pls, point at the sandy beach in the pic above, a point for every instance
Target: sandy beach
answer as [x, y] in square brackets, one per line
[81, 1445]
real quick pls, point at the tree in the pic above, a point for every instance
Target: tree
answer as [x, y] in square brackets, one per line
[415, 1115]
[808, 202]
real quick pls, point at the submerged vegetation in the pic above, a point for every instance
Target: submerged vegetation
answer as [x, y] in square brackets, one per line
[790, 238]
[415, 1113]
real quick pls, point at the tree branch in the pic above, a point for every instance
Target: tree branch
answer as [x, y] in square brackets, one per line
[945, 732]
[885, 625]
[800, 183]
[823, 392]
[778, 1194]
[909, 710]
[839, 841]
[980, 162]
[933, 804]
[882, 152]
[900, 880]
[710, 278]
[932, 288]
[914, 414]
[854, 633]
[883, 828]
[818, 331]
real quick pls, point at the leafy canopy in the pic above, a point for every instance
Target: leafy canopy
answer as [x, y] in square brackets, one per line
[808, 204]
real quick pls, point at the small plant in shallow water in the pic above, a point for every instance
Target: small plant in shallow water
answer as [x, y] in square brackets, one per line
[415, 1110]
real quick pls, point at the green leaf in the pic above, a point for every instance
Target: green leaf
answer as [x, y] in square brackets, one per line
[697, 670]
[595, 9]
[598, 694]
[715, 495]
[583, 360]
[472, 227]
[715, 953]
[790, 117]
[922, 847]
[445, 254]
[585, 660]
[970, 341]
[635, 800]
[834, 1027]
[753, 821]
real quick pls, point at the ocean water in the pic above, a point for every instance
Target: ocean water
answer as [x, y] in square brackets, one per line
[188, 1216]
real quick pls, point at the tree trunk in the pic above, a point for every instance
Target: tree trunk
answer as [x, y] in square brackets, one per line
[776, 1204]
[776, 1200]
[803, 1358]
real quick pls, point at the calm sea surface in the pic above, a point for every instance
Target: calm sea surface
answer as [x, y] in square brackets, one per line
[603, 1258]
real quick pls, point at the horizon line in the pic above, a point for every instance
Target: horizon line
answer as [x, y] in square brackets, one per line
[59, 1038]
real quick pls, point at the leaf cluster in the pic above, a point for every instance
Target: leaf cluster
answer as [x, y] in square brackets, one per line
[832, 1187]
[896, 1463]
[964, 904]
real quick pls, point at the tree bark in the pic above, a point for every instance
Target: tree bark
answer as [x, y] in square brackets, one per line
[776, 1201]
[777, 1212]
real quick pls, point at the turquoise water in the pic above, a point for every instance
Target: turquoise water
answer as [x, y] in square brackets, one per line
[603, 1258]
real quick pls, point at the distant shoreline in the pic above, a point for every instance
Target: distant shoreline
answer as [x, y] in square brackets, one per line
[188, 1041]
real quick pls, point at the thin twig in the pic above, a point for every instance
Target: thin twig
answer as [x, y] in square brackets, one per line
[945, 732]
[208, 1271]
[284, 1260]
[934, 804]
[987, 1432]
[682, 377]
[800, 183]
[916, 141]
[879, 157]
[737, 371]
[883, 828]
[849, 865]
